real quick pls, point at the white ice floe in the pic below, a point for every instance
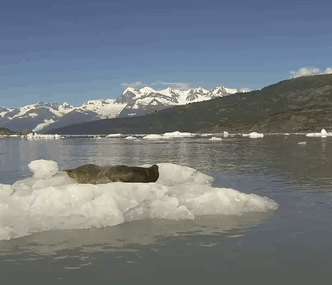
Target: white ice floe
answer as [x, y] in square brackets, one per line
[256, 135]
[215, 139]
[114, 135]
[51, 200]
[130, 138]
[302, 143]
[153, 137]
[168, 135]
[205, 135]
[323, 134]
[34, 136]
[226, 134]
[178, 134]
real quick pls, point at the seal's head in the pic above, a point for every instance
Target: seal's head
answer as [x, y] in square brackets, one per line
[154, 173]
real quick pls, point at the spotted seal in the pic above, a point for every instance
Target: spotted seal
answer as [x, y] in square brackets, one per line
[94, 174]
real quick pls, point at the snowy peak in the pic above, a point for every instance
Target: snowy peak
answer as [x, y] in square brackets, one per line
[140, 101]
[105, 109]
[186, 96]
[42, 116]
[128, 95]
[146, 90]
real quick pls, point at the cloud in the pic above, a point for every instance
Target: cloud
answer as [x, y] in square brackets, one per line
[134, 84]
[179, 85]
[309, 71]
[328, 70]
[304, 72]
[245, 89]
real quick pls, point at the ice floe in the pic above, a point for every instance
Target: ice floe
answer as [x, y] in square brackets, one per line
[215, 139]
[323, 134]
[51, 200]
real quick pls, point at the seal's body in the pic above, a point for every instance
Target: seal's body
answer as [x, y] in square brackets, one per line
[94, 174]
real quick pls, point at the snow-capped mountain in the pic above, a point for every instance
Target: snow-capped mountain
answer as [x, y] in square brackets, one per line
[147, 100]
[41, 117]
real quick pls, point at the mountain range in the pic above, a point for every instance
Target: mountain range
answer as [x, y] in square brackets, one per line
[42, 117]
[302, 104]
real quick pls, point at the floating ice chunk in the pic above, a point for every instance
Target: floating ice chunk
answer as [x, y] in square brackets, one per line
[153, 136]
[205, 135]
[313, 135]
[114, 135]
[302, 143]
[323, 133]
[256, 135]
[43, 168]
[226, 134]
[215, 139]
[130, 138]
[178, 134]
[52, 200]
[34, 136]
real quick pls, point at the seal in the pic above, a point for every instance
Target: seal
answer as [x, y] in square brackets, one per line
[94, 174]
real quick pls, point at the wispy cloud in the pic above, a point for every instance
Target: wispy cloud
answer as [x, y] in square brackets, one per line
[134, 84]
[179, 85]
[245, 89]
[309, 71]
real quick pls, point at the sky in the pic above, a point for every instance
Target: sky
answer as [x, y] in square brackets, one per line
[78, 50]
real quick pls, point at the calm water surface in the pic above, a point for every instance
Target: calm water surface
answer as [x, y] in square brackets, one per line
[290, 245]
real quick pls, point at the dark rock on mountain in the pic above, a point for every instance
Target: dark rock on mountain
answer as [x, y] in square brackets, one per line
[73, 117]
[135, 108]
[126, 97]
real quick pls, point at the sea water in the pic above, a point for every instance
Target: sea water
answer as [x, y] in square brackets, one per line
[236, 210]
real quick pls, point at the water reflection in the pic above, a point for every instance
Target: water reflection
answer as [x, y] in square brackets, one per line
[136, 233]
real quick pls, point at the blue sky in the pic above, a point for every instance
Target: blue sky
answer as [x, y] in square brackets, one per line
[75, 50]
